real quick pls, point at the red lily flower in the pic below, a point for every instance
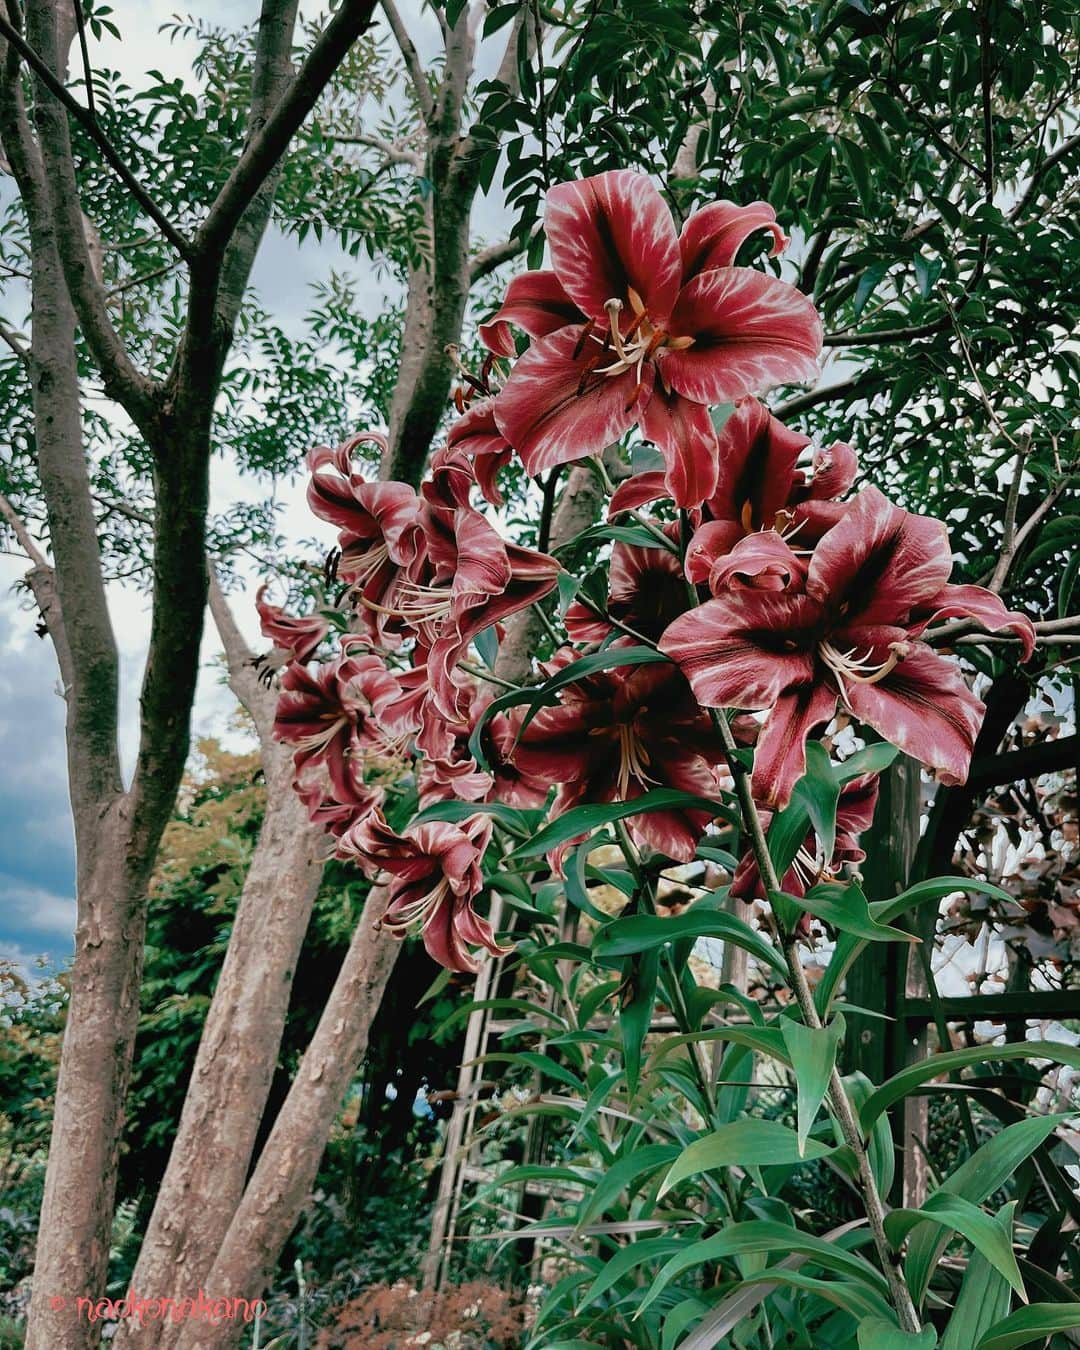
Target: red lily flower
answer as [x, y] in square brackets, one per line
[333, 717]
[470, 580]
[848, 632]
[646, 591]
[378, 531]
[477, 435]
[616, 735]
[637, 324]
[294, 639]
[436, 876]
[854, 813]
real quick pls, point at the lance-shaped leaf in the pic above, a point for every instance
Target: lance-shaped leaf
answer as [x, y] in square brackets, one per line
[643, 932]
[937, 1066]
[744, 1143]
[956, 1214]
[584, 819]
[1033, 1323]
[842, 905]
[637, 995]
[984, 1296]
[623, 1173]
[813, 1057]
[761, 1236]
[877, 1334]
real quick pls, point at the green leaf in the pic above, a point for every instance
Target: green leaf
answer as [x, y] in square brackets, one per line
[935, 1066]
[819, 789]
[813, 1058]
[517, 822]
[990, 1166]
[984, 1296]
[843, 905]
[761, 1236]
[1033, 1323]
[637, 996]
[624, 1172]
[625, 1260]
[585, 819]
[876, 1334]
[744, 1143]
[643, 932]
[958, 1215]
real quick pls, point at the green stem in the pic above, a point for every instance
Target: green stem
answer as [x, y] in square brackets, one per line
[838, 1098]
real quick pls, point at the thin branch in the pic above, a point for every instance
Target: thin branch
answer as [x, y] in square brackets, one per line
[22, 534]
[141, 280]
[270, 143]
[1008, 540]
[487, 260]
[1039, 172]
[129, 386]
[16, 343]
[396, 154]
[88, 74]
[89, 123]
[887, 335]
[828, 394]
[409, 55]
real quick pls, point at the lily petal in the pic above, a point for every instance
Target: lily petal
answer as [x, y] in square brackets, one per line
[683, 432]
[554, 409]
[750, 331]
[713, 236]
[536, 303]
[610, 234]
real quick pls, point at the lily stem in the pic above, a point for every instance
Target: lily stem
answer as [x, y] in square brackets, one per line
[838, 1098]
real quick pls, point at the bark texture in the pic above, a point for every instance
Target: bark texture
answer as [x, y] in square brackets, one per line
[281, 1182]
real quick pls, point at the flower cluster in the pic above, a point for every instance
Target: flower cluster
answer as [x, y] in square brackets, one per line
[763, 586]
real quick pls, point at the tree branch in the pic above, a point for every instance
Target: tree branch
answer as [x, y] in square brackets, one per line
[489, 259]
[829, 393]
[26, 540]
[886, 335]
[16, 343]
[266, 148]
[1051, 161]
[396, 154]
[89, 123]
[132, 389]
[240, 660]
[409, 55]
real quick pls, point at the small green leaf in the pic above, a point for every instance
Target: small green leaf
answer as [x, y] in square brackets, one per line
[984, 1296]
[813, 1058]
[643, 932]
[843, 905]
[936, 1066]
[744, 1143]
[622, 1173]
[1033, 1323]
[584, 819]
[876, 1334]
[955, 1213]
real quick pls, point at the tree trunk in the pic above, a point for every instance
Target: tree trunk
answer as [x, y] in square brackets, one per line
[281, 1183]
[237, 1056]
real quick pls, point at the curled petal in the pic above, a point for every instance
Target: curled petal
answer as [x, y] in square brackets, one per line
[758, 475]
[684, 434]
[713, 236]
[750, 332]
[762, 562]
[478, 436]
[879, 562]
[537, 304]
[640, 490]
[834, 472]
[609, 235]
[555, 408]
[711, 542]
[298, 637]
[986, 608]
